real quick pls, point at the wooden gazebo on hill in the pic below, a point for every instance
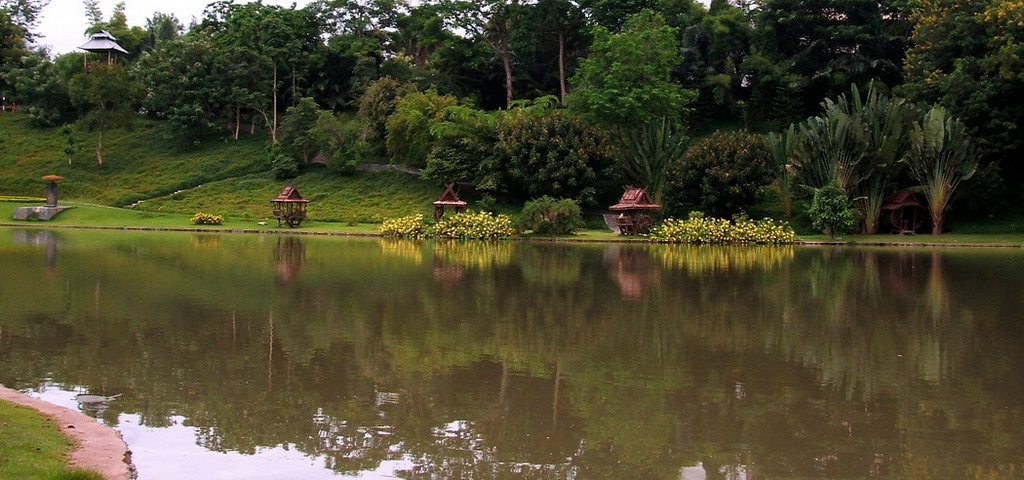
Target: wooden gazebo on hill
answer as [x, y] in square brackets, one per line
[448, 199]
[289, 207]
[103, 42]
[634, 208]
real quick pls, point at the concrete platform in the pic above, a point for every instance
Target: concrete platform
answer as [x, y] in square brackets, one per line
[41, 213]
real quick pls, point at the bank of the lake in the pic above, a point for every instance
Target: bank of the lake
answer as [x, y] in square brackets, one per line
[103, 217]
[45, 441]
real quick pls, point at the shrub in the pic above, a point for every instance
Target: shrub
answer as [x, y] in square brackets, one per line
[706, 230]
[201, 218]
[721, 174]
[552, 154]
[411, 226]
[549, 216]
[830, 210]
[475, 225]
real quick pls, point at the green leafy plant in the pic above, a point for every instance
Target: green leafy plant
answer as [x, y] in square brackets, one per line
[830, 210]
[548, 216]
[648, 152]
[941, 157]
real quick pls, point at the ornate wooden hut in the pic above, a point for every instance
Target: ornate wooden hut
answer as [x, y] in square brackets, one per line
[906, 213]
[289, 207]
[634, 212]
[448, 199]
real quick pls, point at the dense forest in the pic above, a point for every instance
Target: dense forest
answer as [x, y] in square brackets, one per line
[735, 106]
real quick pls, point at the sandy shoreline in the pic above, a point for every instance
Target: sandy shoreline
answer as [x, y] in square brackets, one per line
[97, 447]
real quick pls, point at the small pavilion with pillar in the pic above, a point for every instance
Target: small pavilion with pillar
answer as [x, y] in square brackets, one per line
[103, 42]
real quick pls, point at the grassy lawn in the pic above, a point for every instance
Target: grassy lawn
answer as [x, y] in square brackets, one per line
[32, 447]
[87, 215]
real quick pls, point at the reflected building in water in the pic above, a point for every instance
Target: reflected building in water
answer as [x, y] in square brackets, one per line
[632, 269]
[289, 258]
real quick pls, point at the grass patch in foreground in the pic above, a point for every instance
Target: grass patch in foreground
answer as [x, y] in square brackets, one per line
[33, 447]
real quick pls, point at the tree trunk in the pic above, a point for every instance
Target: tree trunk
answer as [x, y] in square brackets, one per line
[99, 149]
[273, 123]
[238, 121]
[506, 60]
[561, 66]
[938, 219]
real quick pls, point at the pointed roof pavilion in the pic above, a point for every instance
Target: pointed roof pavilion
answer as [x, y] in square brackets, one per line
[102, 41]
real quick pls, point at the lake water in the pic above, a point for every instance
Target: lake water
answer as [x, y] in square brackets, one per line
[248, 356]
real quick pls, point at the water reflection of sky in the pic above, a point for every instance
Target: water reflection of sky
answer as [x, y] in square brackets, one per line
[172, 453]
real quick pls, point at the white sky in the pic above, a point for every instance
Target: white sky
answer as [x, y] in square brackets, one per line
[63, 22]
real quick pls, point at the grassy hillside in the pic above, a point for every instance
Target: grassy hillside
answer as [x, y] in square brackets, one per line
[146, 165]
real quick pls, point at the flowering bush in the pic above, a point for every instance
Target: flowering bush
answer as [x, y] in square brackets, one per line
[701, 229]
[201, 218]
[482, 226]
[411, 226]
[475, 225]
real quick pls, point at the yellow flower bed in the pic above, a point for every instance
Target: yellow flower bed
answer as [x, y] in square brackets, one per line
[699, 229]
[201, 218]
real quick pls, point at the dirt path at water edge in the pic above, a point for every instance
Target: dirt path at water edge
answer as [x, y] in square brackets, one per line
[97, 447]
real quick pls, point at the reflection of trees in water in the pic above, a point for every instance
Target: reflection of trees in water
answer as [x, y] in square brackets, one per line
[810, 366]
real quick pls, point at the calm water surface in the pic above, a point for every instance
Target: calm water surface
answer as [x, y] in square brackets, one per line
[243, 356]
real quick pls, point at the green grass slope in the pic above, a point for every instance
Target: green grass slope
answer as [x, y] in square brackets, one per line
[362, 197]
[147, 165]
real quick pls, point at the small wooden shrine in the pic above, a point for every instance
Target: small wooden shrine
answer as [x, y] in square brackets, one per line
[634, 212]
[906, 213]
[289, 207]
[103, 42]
[448, 199]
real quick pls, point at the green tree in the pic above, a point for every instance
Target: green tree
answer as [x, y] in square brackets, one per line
[340, 141]
[162, 27]
[831, 44]
[491, 21]
[377, 103]
[289, 38]
[941, 157]
[109, 97]
[69, 142]
[41, 87]
[296, 134]
[626, 80]
[183, 85]
[408, 133]
[830, 210]
[965, 57]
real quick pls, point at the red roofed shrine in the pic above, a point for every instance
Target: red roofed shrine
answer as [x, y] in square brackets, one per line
[289, 207]
[448, 199]
[634, 205]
